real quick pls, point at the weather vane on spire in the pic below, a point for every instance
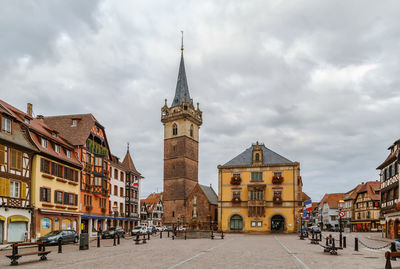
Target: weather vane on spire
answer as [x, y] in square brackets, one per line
[182, 41]
[128, 147]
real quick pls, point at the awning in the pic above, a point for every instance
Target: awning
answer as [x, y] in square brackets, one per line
[106, 217]
[2, 218]
[18, 218]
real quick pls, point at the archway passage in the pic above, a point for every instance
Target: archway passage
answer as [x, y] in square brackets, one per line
[236, 223]
[277, 223]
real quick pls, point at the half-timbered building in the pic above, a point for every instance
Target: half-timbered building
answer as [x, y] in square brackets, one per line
[16, 154]
[92, 149]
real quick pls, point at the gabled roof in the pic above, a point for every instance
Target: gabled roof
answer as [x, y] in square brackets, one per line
[37, 129]
[332, 199]
[392, 156]
[210, 194]
[371, 187]
[305, 197]
[151, 201]
[269, 157]
[76, 135]
[182, 89]
[128, 164]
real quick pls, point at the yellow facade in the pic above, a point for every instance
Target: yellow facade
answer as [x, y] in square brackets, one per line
[51, 215]
[264, 204]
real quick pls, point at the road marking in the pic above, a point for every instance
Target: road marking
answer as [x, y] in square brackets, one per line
[298, 262]
[198, 255]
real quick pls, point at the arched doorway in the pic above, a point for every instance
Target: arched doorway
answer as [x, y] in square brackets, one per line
[236, 223]
[277, 223]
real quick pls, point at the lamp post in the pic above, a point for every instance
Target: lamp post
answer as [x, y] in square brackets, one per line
[341, 202]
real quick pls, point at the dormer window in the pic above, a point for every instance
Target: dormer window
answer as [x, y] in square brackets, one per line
[27, 121]
[44, 143]
[57, 148]
[6, 125]
[257, 157]
[74, 123]
[68, 152]
[53, 134]
[174, 129]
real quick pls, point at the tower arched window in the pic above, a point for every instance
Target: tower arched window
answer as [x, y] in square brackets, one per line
[257, 157]
[191, 130]
[174, 129]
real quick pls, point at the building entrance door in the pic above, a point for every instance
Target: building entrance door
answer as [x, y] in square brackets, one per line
[277, 223]
[1, 231]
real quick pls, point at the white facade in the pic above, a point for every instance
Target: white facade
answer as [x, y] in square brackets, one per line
[329, 216]
[117, 197]
[15, 230]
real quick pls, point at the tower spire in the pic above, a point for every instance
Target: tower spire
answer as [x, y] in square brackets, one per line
[127, 150]
[182, 89]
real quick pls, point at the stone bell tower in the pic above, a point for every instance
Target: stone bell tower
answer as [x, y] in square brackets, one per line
[181, 149]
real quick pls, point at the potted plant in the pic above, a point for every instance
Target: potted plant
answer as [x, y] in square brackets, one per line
[89, 207]
[236, 199]
[277, 179]
[236, 180]
[277, 199]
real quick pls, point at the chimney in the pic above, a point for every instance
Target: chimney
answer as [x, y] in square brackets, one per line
[29, 109]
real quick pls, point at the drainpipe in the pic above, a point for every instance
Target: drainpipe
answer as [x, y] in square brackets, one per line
[294, 201]
[220, 197]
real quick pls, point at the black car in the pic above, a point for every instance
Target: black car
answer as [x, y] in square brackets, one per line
[113, 231]
[66, 236]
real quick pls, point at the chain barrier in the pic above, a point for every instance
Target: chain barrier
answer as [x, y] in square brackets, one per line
[376, 248]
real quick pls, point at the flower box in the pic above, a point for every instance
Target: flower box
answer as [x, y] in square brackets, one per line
[89, 207]
[277, 199]
[236, 200]
[236, 180]
[277, 179]
[103, 210]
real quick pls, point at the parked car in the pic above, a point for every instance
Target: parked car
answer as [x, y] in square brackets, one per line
[113, 231]
[168, 228]
[314, 229]
[159, 228]
[183, 228]
[152, 229]
[66, 236]
[139, 230]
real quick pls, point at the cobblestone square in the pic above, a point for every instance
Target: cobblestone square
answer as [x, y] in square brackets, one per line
[235, 251]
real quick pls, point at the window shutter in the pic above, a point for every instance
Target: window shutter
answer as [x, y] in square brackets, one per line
[55, 197]
[76, 199]
[48, 192]
[2, 155]
[23, 190]
[19, 160]
[6, 190]
[2, 186]
[66, 195]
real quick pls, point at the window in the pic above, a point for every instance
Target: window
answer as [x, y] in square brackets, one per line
[6, 125]
[256, 223]
[191, 130]
[45, 195]
[97, 181]
[115, 173]
[174, 129]
[236, 222]
[68, 152]
[56, 170]
[102, 203]
[116, 190]
[43, 142]
[173, 213]
[257, 157]
[87, 200]
[58, 197]
[53, 134]
[333, 218]
[44, 166]
[74, 123]
[14, 189]
[68, 173]
[121, 208]
[256, 176]
[121, 192]
[122, 176]
[277, 174]
[57, 148]
[16, 159]
[27, 121]
[98, 161]
[2, 155]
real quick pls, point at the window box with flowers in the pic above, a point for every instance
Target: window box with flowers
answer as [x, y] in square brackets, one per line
[89, 207]
[103, 210]
[277, 199]
[236, 180]
[236, 200]
[277, 179]
[89, 166]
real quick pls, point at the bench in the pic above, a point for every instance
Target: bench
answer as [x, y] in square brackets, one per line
[214, 235]
[137, 239]
[388, 256]
[15, 255]
[331, 248]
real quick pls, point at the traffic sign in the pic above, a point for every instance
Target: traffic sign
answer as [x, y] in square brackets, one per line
[341, 214]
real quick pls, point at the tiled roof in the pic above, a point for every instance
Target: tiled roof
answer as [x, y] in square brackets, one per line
[392, 156]
[76, 135]
[38, 129]
[128, 164]
[371, 187]
[269, 157]
[332, 199]
[210, 193]
[151, 201]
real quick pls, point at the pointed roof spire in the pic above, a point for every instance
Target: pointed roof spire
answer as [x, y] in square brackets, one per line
[182, 89]
[127, 151]
[128, 163]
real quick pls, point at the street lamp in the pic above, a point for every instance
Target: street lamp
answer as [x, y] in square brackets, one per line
[341, 202]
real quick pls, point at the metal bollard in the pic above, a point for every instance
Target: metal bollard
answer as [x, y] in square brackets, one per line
[222, 235]
[161, 235]
[168, 233]
[148, 236]
[333, 243]
[326, 243]
[98, 241]
[356, 244]
[173, 237]
[144, 239]
[59, 246]
[340, 240]
[344, 241]
[118, 242]
[185, 234]
[137, 239]
[393, 249]
[115, 243]
[388, 265]
[212, 235]
[320, 237]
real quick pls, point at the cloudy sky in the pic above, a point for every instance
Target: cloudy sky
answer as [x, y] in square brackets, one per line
[316, 81]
